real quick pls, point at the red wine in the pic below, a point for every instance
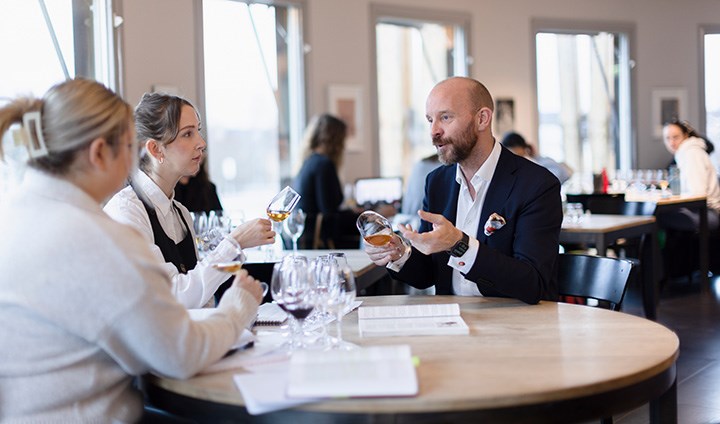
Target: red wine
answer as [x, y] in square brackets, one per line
[300, 312]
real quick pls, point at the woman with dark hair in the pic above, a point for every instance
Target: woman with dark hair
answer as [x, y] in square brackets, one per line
[319, 185]
[168, 129]
[85, 305]
[697, 175]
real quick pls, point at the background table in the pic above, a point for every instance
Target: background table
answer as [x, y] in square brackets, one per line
[647, 204]
[550, 362]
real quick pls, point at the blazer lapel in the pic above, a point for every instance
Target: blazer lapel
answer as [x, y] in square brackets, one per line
[499, 190]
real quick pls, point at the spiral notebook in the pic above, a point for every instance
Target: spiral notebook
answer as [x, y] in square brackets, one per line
[270, 314]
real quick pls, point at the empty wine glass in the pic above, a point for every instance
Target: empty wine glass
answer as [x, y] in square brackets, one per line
[341, 296]
[200, 227]
[374, 228]
[294, 226]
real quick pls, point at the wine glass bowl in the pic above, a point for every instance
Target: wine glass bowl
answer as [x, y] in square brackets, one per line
[282, 204]
[374, 228]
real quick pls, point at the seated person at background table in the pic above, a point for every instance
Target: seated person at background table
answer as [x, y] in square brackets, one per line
[197, 193]
[415, 190]
[517, 144]
[319, 185]
[84, 305]
[168, 129]
[481, 180]
[697, 176]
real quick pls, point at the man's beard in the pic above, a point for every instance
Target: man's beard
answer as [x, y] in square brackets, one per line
[457, 149]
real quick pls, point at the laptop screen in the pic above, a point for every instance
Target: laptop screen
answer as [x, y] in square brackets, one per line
[373, 191]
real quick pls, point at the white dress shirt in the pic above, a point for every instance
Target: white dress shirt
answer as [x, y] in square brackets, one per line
[196, 288]
[468, 221]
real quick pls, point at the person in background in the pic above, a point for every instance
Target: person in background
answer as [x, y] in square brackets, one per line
[84, 305]
[490, 219]
[197, 193]
[517, 144]
[319, 185]
[415, 189]
[697, 176]
[168, 129]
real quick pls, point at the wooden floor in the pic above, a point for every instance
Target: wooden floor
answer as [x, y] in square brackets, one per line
[694, 314]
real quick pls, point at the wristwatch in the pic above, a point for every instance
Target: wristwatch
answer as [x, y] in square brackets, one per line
[460, 247]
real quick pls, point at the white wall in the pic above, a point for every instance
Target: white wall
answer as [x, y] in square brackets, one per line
[160, 45]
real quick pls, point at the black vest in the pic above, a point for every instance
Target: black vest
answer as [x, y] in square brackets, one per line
[183, 255]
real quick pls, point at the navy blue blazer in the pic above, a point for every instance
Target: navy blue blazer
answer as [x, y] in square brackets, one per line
[519, 259]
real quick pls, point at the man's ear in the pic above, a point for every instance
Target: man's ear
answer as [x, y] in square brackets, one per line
[483, 118]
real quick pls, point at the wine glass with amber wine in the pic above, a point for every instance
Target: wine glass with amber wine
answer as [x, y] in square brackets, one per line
[233, 267]
[281, 206]
[374, 228]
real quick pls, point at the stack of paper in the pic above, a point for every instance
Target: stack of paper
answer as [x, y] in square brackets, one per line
[365, 372]
[411, 320]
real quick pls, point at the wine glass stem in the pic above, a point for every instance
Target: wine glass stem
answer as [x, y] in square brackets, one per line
[295, 246]
[338, 327]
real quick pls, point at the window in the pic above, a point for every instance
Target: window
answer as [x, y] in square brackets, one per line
[711, 69]
[46, 42]
[413, 53]
[583, 95]
[254, 100]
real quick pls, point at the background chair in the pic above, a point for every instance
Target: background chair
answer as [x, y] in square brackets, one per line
[593, 277]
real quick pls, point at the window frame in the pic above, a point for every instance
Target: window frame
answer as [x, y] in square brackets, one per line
[574, 27]
[381, 13]
[296, 117]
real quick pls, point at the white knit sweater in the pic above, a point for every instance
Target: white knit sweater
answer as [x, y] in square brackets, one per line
[84, 305]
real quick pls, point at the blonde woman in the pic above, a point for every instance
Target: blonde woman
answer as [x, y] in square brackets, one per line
[84, 304]
[168, 130]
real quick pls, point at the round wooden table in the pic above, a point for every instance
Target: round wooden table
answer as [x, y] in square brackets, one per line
[550, 362]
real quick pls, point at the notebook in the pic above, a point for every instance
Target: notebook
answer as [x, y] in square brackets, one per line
[411, 320]
[270, 314]
[365, 372]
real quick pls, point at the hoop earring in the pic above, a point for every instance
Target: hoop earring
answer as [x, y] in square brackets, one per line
[161, 160]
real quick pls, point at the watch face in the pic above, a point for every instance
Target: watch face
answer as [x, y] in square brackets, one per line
[460, 247]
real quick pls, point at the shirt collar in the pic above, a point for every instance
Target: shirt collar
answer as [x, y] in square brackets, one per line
[486, 171]
[154, 193]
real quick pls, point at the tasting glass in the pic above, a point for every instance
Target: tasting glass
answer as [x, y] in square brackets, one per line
[374, 228]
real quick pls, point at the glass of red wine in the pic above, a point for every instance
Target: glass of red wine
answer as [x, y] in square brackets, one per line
[292, 288]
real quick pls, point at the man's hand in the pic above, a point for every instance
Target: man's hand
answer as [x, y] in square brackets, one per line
[443, 236]
[390, 252]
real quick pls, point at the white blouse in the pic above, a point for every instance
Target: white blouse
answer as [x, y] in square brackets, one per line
[196, 288]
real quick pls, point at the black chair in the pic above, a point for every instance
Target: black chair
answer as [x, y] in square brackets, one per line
[582, 277]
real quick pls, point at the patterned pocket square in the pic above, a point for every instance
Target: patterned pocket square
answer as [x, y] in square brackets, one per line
[494, 223]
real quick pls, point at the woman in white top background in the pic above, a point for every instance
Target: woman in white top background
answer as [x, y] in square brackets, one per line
[168, 130]
[697, 176]
[84, 304]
